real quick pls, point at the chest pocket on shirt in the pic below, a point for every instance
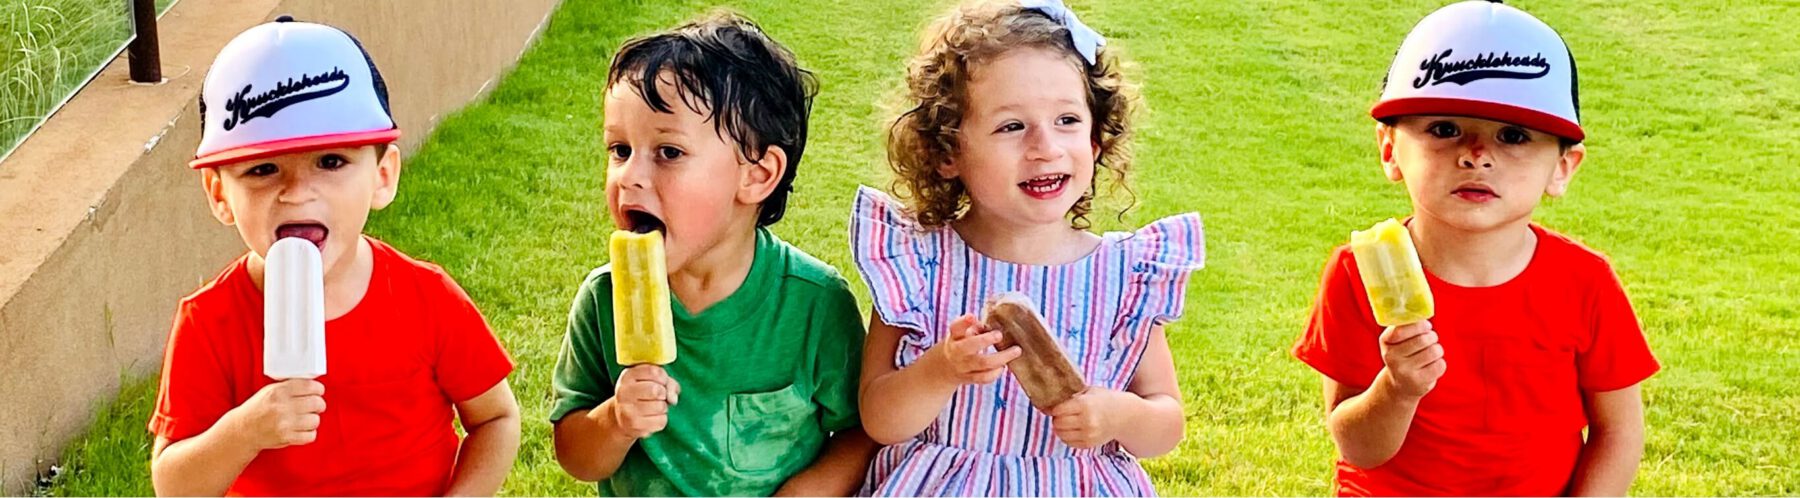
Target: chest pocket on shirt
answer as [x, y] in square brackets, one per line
[765, 427]
[1530, 387]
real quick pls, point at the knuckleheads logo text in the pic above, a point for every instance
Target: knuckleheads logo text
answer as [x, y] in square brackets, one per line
[1439, 69]
[245, 107]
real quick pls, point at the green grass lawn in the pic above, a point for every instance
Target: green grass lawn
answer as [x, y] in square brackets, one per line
[47, 49]
[1258, 121]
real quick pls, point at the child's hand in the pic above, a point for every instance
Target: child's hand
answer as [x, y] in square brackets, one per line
[281, 414]
[641, 401]
[1413, 357]
[1086, 420]
[963, 359]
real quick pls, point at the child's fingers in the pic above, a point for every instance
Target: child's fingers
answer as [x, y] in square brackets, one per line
[1436, 368]
[978, 341]
[300, 438]
[988, 338]
[998, 359]
[972, 346]
[648, 372]
[312, 404]
[1426, 355]
[653, 409]
[308, 422]
[1396, 334]
[988, 376]
[963, 326]
[1074, 425]
[297, 388]
[1387, 334]
[312, 387]
[674, 388]
[1074, 406]
[644, 390]
[1414, 346]
[647, 425]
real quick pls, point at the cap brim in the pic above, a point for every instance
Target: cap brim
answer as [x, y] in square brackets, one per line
[268, 149]
[1529, 118]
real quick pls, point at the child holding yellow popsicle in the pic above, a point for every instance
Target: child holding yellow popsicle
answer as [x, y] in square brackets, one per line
[1476, 372]
[756, 394]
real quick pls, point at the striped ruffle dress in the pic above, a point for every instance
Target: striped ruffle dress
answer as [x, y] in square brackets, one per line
[989, 440]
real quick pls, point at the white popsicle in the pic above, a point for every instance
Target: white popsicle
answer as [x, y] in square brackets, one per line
[294, 311]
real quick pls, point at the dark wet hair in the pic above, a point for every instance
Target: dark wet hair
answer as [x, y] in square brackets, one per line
[724, 67]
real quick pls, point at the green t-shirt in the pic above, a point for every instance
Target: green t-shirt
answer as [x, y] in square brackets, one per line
[766, 376]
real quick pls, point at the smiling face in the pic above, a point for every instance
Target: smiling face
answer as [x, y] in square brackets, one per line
[323, 196]
[1475, 174]
[673, 172]
[1026, 149]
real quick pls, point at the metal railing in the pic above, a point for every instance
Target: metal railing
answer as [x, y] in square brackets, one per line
[144, 51]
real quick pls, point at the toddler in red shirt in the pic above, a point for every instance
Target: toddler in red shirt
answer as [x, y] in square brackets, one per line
[1533, 338]
[297, 142]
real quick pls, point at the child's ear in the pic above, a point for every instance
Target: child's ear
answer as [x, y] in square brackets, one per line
[215, 196]
[948, 169]
[762, 176]
[1565, 170]
[387, 177]
[1384, 145]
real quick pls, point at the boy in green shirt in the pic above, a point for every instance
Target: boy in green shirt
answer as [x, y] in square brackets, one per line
[704, 127]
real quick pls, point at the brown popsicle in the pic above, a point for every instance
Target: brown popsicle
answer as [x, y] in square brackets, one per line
[1047, 376]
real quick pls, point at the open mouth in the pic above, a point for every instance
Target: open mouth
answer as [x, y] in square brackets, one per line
[312, 232]
[1046, 186]
[643, 222]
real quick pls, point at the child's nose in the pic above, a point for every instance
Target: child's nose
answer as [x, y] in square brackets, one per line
[1475, 154]
[296, 188]
[1040, 146]
[634, 172]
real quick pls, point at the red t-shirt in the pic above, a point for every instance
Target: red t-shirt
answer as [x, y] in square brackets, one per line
[395, 365]
[1506, 417]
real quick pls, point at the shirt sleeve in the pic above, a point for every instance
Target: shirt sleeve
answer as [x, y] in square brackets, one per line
[470, 359]
[838, 371]
[1619, 355]
[581, 380]
[1342, 339]
[193, 392]
[897, 259]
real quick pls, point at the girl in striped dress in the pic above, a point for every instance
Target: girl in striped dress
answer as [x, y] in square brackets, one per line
[1016, 108]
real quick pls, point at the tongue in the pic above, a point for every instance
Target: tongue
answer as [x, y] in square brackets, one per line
[312, 233]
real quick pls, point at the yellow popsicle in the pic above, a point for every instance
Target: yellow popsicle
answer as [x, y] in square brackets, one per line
[643, 326]
[1389, 264]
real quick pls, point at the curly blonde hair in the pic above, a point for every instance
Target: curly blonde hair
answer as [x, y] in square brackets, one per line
[924, 136]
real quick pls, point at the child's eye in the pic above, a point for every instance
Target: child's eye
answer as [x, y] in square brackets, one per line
[1068, 119]
[264, 169]
[1443, 129]
[332, 161]
[1513, 135]
[1010, 126]
[669, 153]
[619, 151]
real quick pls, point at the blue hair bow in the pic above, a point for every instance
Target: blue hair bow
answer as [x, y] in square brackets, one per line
[1087, 41]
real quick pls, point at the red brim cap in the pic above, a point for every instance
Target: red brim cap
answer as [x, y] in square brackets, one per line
[270, 149]
[1443, 106]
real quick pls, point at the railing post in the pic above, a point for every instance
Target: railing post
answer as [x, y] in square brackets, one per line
[146, 57]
